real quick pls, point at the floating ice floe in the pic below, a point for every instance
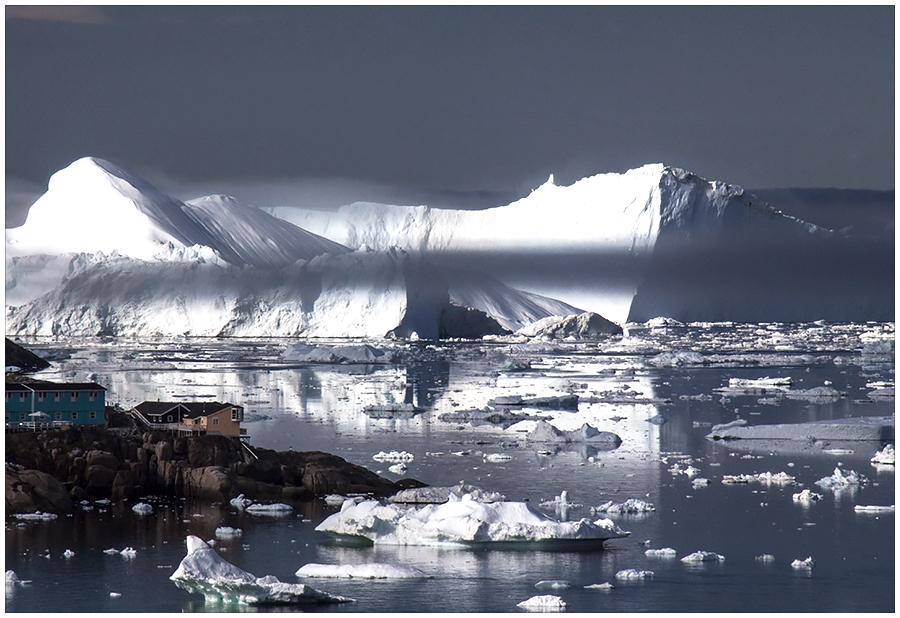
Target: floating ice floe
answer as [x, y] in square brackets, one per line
[399, 468]
[841, 480]
[227, 532]
[68, 554]
[767, 478]
[703, 556]
[666, 552]
[699, 482]
[689, 470]
[543, 603]
[335, 499]
[874, 428]
[859, 508]
[394, 456]
[36, 516]
[803, 564]
[438, 495]
[270, 510]
[203, 571]
[115, 595]
[807, 497]
[766, 383]
[765, 558]
[141, 508]
[461, 521]
[13, 581]
[128, 553]
[632, 574]
[560, 503]
[603, 586]
[630, 506]
[497, 457]
[361, 571]
[552, 584]
[111, 551]
[240, 502]
[884, 456]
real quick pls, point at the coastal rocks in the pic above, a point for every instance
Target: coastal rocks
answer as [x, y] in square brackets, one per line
[28, 491]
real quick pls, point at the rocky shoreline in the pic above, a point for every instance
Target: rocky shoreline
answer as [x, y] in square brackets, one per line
[53, 470]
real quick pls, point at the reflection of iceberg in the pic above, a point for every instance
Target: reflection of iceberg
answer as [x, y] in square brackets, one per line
[203, 571]
[361, 571]
[461, 522]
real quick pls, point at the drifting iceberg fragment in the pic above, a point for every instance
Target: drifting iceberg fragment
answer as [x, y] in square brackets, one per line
[841, 480]
[859, 508]
[461, 521]
[226, 532]
[630, 506]
[204, 572]
[765, 558]
[270, 510]
[68, 554]
[373, 570]
[240, 502]
[552, 584]
[129, 553]
[394, 456]
[806, 497]
[803, 564]
[666, 552]
[543, 603]
[36, 516]
[767, 478]
[884, 456]
[703, 556]
[632, 574]
[142, 508]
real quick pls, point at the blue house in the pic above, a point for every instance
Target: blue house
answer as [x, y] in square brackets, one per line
[53, 402]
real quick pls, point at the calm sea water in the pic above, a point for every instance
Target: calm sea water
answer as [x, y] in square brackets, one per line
[622, 383]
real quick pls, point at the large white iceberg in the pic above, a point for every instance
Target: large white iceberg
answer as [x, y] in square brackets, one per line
[461, 521]
[204, 572]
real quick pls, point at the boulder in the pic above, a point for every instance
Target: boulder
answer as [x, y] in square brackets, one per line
[28, 491]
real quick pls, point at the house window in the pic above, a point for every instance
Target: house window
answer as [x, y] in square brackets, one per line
[59, 416]
[56, 396]
[74, 395]
[93, 395]
[236, 414]
[23, 396]
[93, 416]
[8, 395]
[21, 416]
[215, 421]
[41, 396]
[74, 416]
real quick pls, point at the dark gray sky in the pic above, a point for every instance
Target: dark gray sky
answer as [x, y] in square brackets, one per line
[490, 99]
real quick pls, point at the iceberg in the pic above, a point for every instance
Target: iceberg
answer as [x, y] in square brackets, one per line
[438, 495]
[227, 532]
[630, 506]
[860, 508]
[463, 522]
[666, 552]
[634, 574]
[270, 510]
[803, 564]
[842, 480]
[884, 456]
[142, 508]
[767, 478]
[806, 497]
[203, 571]
[393, 456]
[240, 502]
[543, 603]
[552, 584]
[373, 570]
[703, 556]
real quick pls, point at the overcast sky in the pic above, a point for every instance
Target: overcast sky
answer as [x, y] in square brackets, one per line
[454, 98]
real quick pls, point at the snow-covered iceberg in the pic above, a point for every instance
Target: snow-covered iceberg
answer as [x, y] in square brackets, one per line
[204, 572]
[462, 522]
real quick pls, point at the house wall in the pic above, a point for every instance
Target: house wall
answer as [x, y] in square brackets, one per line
[221, 422]
[76, 407]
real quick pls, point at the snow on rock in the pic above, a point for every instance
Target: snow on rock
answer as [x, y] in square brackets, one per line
[203, 571]
[543, 603]
[373, 570]
[142, 508]
[270, 510]
[460, 521]
[582, 326]
[884, 456]
[439, 495]
[630, 506]
[841, 480]
[803, 564]
[703, 556]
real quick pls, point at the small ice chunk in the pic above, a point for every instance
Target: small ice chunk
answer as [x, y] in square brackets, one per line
[128, 553]
[226, 532]
[374, 570]
[270, 510]
[767, 478]
[630, 506]
[761, 383]
[395, 456]
[552, 584]
[497, 457]
[141, 508]
[665, 552]
[803, 564]
[335, 499]
[859, 508]
[111, 551]
[807, 497]
[884, 456]
[240, 502]
[703, 556]
[841, 480]
[115, 594]
[13, 581]
[700, 482]
[398, 468]
[603, 586]
[36, 516]
[630, 574]
[68, 554]
[765, 558]
[543, 603]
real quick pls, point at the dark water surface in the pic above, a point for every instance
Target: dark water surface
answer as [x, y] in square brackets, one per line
[622, 383]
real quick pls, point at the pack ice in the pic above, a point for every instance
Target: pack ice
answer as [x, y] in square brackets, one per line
[204, 572]
[461, 521]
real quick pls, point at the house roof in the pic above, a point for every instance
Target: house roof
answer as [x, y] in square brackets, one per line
[206, 408]
[156, 408]
[45, 386]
